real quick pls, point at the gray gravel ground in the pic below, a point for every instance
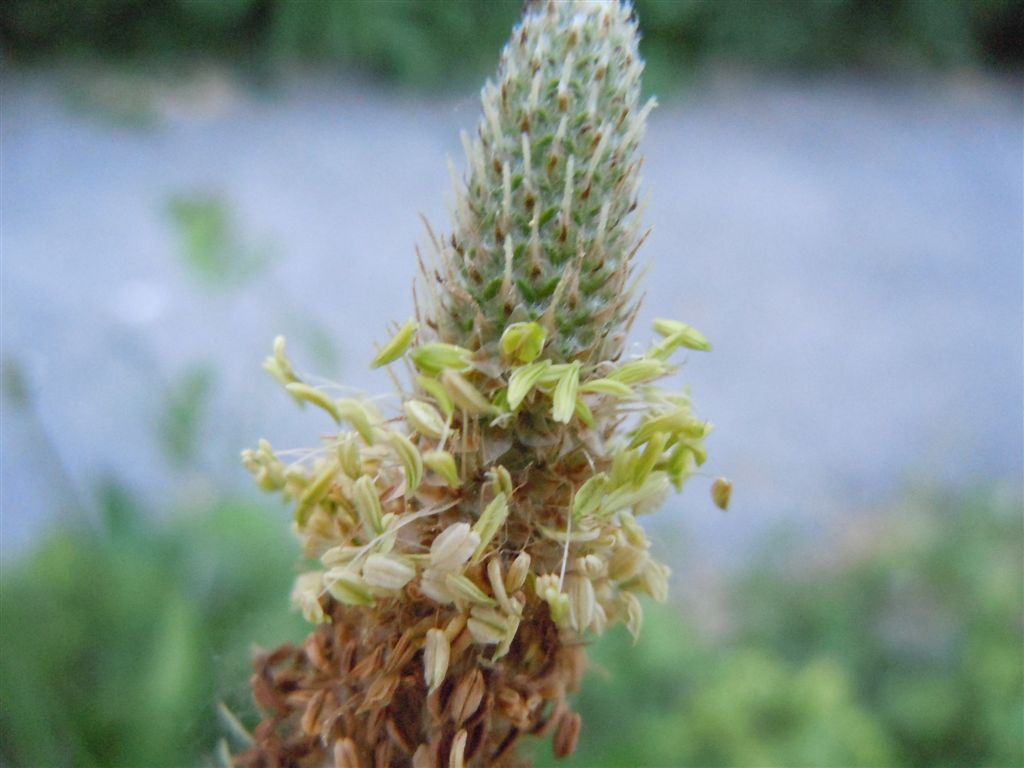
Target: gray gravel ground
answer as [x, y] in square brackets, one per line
[852, 248]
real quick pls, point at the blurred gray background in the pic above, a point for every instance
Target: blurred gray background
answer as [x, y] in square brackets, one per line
[852, 246]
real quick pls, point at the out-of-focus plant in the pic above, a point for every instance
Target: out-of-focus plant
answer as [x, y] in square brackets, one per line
[181, 422]
[118, 641]
[903, 647]
[211, 246]
[427, 43]
[925, 611]
[677, 699]
[812, 673]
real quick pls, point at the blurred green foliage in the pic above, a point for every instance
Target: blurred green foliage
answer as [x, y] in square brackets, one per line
[211, 246]
[926, 611]
[426, 43]
[903, 645]
[182, 417]
[119, 639]
[677, 700]
[900, 644]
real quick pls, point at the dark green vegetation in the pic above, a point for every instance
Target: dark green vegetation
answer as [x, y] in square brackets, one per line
[897, 644]
[428, 43]
[120, 639]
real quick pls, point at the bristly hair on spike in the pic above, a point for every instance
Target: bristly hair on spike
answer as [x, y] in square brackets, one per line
[552, 175]
[472, 541]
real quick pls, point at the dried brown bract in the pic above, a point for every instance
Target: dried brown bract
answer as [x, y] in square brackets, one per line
[357, 716]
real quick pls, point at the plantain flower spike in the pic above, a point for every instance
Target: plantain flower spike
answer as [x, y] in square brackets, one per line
[465, 547]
